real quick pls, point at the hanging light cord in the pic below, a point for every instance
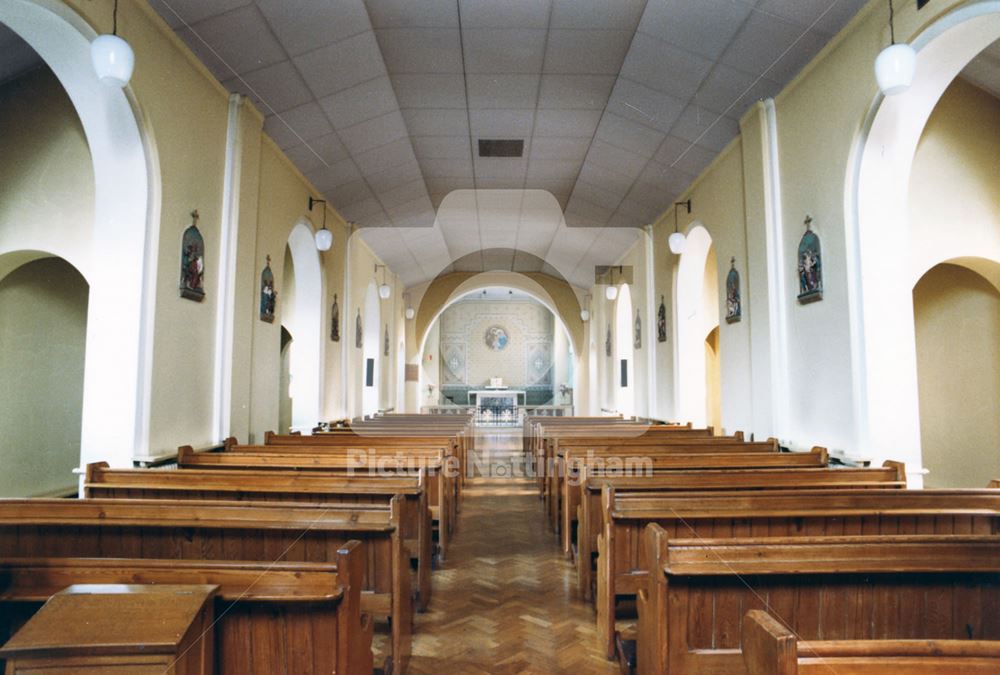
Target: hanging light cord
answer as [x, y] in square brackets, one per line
[114, 20]
[892, 27]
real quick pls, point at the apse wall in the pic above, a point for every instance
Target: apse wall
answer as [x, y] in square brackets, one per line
[467, 359]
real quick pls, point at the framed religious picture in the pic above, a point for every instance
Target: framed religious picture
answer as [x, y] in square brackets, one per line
[661, 321]
[359, 335]
[496, 338]
[335, 320]
[810, 266]
[268, 296]
[607, 342]
[637, 334]
[193, 262]
[385, 346]
[734, 303]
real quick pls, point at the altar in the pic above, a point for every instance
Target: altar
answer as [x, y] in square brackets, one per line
[498, 406]
[496, 397]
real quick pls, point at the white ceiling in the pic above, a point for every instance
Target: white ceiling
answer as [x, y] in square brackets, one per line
[621, 103]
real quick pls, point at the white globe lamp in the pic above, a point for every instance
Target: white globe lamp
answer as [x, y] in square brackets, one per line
[584, 315]
[384, 291]
[113, 60]
[611, 292]
[895, 68]
[677, 243]
[324, 239]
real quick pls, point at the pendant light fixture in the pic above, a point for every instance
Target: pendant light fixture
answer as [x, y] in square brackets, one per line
[677, 241]
[324, 237]
[410, 312]
[611, 292]
[585, 312]
[896, 65]
[384, 290]
[112, 57]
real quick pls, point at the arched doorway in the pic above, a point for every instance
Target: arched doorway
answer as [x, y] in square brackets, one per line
[371, 374]
[42, 345]
[697, 307]
[880, 279]
[116, 386]
[301, 313]
[623, 368]
[956, 313]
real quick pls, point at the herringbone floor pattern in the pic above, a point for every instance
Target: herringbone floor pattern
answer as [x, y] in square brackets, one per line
[505, 601]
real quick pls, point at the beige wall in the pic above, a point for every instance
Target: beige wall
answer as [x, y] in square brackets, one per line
[42, 341]
[957, 317]
[46, 177]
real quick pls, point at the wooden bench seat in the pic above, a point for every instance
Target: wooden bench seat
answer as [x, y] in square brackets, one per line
[439, 491]
[621, 560]
[692, 601]
[271, 617]
[569, 456]
[100, 481]
[589, 524]
[224, 531]
[770, 648]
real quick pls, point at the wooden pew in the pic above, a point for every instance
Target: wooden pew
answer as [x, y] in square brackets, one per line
[224, 531]
[452, 464]
[622, 566]
[548, 442]
[283, 486]
[693, 599]
[570, 456]
[770, 648]
[344, 464]
[271, 617]
[592, 481]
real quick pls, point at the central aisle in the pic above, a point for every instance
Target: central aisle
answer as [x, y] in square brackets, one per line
[505, 600]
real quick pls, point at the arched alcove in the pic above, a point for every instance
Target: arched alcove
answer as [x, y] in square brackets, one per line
[696, 304]
[302, 312]
[370, 367]
[956, 314]
[623, 368]
[880, 238]
[116, 386]
[713, 389]
[42, 345]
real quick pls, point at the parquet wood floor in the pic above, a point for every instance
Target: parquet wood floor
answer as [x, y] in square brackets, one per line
[505, 601]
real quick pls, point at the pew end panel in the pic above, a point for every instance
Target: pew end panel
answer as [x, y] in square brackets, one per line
[769, 648]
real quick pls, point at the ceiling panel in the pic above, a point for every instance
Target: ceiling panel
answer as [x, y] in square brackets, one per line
[507, 14]
[305, 25]
[620, 104]
[593, 52]
[341, 65]
[703, 27]
[503, 50]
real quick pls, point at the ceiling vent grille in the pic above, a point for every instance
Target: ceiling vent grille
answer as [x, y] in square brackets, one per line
[500, 148]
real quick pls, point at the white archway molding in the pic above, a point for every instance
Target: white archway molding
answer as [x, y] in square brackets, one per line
[518, 282]
[692, 323]
[371, 317]
[524, 284]
[117, 262]
[305, 324]
[881, 271]
[624, 350]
